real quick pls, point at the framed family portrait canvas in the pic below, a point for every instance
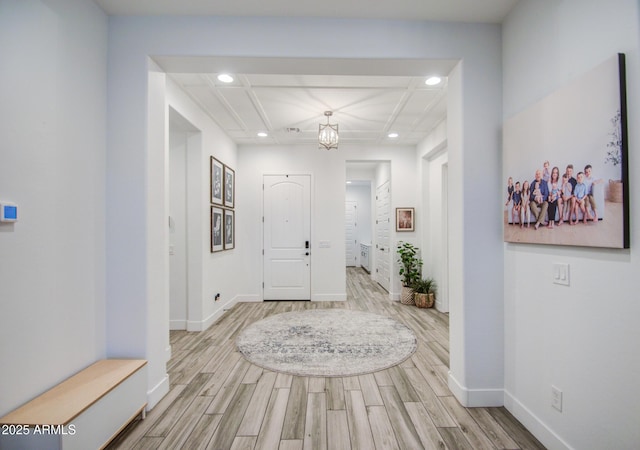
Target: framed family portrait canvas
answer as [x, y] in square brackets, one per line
[229, 229]
[565, 164]
[405, 219]
[229, 187]
[217, 174]
[217, 224]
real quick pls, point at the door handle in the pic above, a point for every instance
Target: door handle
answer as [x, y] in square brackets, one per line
[306, 254]
[306, 244]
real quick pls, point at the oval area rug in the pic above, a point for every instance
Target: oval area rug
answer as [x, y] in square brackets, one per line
[326, 342]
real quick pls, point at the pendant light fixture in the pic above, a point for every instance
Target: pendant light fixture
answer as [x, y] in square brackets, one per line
[328, 134]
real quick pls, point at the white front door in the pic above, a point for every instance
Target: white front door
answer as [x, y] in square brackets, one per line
[351, 223]
[287, 237]
[383, 238]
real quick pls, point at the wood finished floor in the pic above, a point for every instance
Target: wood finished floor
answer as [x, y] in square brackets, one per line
[217, 400]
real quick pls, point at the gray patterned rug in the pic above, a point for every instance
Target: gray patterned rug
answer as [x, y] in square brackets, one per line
[326, 342]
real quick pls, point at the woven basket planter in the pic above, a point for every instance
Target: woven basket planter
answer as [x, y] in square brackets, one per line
[425, 300]
[615, 191]
[406, 296]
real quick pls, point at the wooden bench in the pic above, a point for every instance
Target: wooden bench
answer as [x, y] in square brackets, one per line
[84, 412]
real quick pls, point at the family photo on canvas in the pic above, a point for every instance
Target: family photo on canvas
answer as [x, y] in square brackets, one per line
[553, 199]
[564, 165]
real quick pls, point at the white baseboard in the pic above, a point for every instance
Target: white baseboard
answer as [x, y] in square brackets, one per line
[194, 325]
[178, 324]
[471, 398]
[329, 297]
[248, 298]
[533, 423]
[155, 394]
[201, 325]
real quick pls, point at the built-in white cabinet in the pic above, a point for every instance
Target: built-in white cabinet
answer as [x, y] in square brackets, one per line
[364, 256]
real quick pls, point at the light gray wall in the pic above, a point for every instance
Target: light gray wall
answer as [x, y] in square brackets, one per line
[52, 164]
[583, 339]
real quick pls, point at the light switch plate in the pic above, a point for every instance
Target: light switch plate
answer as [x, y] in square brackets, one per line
[561, 273]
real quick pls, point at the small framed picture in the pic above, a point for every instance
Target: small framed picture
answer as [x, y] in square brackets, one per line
[217, 174]
[217, 220]
[229, 229]
[405, 219]
[229, 187]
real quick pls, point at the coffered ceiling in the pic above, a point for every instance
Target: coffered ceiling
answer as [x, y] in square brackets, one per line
[286, 97]
[277, 97]
[289, 108]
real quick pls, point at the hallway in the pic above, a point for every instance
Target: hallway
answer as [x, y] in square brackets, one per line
[220, 401]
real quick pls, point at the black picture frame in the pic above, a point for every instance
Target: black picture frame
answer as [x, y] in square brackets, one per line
[229, 229]
[216, 173]
[217, 229]
[229, 187]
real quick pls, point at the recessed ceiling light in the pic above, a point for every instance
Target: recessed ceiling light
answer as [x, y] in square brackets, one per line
[432, 81]
[348, 182]
[393, 135]
[225, 78]
[262, 134]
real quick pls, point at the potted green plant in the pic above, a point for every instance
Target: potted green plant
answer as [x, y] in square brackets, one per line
[614, 156]
[425, 292]
[410, 270]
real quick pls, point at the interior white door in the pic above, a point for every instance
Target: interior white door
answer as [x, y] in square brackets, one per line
[287, 237]
[351, 235]
[383, 238]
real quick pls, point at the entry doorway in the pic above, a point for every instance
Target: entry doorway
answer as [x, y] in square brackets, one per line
[287, 237]
[185, 146]
[363, 178]
[435, 232]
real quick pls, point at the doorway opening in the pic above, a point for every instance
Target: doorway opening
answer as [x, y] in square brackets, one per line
[367, 219]
[182, 192]
[435, 233]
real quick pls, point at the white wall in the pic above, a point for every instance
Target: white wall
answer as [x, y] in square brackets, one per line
[583, 339]
[52, 164]
[327, 170]
[327, 214]
[133, 271]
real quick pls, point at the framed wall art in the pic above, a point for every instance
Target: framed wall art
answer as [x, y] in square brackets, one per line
[217, 225]
[405, 219]
[229, 187]
[217, 175]
[565, 164]
[229, 229]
